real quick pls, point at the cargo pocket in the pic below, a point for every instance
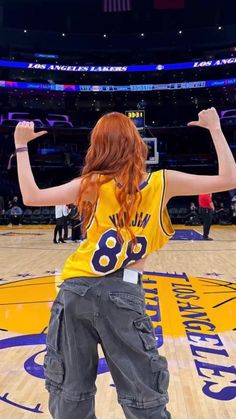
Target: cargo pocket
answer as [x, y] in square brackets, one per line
[160, 369]
[145, 329]
[54, 329]
[127, 301]
[53, 371]
[79, 289]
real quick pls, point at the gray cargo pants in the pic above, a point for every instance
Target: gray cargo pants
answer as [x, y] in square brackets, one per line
[109, 312]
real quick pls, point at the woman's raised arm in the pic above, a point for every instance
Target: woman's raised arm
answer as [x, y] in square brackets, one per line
[31, 194]
[179, 183]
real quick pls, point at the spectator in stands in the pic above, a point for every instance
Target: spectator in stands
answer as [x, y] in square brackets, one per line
[15, 215]
[15, 200]
[222, 214]
[207, 209]
[193, 207]
[233, 208]
[2, 206]
[59, 215]
[193, 218]
[9, 204]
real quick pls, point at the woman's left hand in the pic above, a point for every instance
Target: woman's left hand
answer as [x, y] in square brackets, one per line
[24, 133]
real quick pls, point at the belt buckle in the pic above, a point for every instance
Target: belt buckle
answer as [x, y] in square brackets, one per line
[132, 276]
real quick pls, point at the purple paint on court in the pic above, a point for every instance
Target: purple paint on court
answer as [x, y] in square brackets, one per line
[187, 235]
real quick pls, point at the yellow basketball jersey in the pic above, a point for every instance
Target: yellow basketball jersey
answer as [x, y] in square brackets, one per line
[101, 253]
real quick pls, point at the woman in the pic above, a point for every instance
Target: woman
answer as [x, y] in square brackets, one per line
[101, 299]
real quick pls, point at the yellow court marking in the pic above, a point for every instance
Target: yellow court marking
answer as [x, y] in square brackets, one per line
[25, 305]
[203, 303]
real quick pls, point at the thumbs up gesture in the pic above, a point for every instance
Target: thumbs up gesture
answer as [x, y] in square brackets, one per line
[24, 133]
[208, 119]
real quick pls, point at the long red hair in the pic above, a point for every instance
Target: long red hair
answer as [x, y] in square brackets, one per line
[116, 151]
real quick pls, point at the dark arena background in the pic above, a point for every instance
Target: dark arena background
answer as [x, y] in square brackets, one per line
[64, 64]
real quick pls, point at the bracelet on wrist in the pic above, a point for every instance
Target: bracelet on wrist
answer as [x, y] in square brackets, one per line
[20, 149]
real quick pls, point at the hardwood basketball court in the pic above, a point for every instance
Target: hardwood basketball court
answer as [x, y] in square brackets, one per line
[191, 298]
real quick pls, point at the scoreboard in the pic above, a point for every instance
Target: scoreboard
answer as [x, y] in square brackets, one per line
[138, 118]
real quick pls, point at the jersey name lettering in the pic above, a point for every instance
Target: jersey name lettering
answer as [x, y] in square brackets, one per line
[139, 220]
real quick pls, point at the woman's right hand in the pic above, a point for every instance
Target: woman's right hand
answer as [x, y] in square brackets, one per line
[208, 119]
[24, 133]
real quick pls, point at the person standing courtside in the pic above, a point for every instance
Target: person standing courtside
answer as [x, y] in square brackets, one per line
[66, 211]
[76, 235]
[207, 208]
[59, 214]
